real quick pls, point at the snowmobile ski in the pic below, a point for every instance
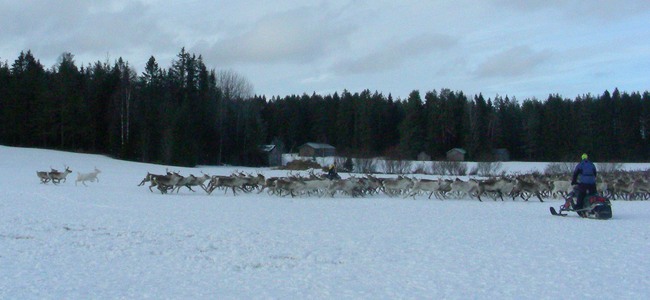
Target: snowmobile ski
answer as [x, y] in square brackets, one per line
[555, 213]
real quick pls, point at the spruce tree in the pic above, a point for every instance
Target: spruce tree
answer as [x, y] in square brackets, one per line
[411, 128]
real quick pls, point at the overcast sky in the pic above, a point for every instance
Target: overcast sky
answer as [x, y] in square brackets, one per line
[520, 48]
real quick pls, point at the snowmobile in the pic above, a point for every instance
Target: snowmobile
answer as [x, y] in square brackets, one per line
[594, 206]
[333, 176]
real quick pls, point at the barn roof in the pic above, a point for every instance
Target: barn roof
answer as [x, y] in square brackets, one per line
[318, 146]
[461, 150]
[267, 148]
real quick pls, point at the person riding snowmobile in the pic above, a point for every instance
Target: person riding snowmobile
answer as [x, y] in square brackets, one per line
[331, 172]
[584, 175]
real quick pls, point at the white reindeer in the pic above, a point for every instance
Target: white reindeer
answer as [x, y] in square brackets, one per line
[83, 177]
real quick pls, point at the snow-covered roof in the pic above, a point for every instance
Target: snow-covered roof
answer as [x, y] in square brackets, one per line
[319, 146]
[267, 148]
[461, 150]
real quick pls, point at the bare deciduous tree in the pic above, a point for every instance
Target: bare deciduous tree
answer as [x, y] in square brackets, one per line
[449, 168]
[366, 165]
[398, 166]
[487, 168]
[234, 86]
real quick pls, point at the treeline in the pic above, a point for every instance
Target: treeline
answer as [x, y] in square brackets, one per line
[183, 115]
[610, 127]
[189, 115]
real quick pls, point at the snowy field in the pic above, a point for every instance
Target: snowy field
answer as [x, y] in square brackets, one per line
[114, 239]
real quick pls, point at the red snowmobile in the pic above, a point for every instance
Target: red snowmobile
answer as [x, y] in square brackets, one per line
[594, 206]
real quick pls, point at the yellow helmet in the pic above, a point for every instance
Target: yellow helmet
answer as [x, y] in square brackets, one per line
[584, 156]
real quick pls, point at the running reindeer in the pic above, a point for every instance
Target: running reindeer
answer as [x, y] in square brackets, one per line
[53, 175]
[83, 177]
[44, 176]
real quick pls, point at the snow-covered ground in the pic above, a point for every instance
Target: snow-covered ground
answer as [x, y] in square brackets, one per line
[114, 239]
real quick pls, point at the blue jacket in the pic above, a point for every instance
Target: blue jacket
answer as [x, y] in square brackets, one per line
[585, 172]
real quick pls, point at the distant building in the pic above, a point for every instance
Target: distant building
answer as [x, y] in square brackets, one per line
[273, 155]
[316, 150]
[456, 154]
[501, 154]
[423, 156]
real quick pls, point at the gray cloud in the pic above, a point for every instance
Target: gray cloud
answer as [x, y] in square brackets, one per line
[512, 62]
[89, 30]
[294, 36]
[291, 46]
[392, 56]
[606, 9]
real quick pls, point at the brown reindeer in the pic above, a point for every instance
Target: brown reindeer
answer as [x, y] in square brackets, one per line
[57, 176]
[44, 176]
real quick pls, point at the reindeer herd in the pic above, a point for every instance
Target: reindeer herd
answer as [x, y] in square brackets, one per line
[617, 185]
[174, 181]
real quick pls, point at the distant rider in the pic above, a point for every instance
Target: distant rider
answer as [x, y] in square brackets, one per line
[584, 176]
[331, 172]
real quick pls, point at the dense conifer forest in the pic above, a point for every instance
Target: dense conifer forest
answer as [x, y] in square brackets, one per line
[187, 115]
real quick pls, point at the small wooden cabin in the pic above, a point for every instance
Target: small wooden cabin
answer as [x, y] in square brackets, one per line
[316, 150]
